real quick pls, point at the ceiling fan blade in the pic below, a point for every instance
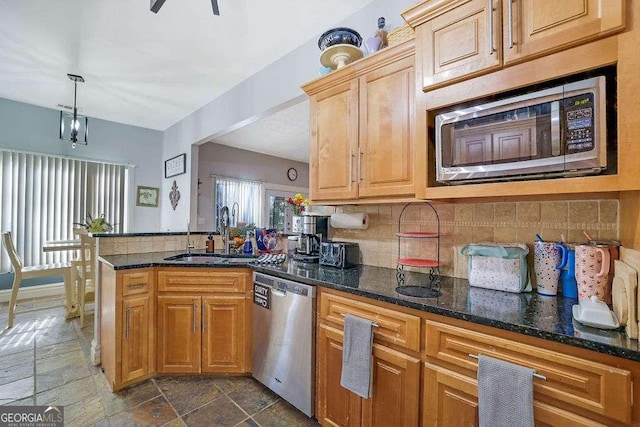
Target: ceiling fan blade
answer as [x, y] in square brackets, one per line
[156, 5]
[214, 6]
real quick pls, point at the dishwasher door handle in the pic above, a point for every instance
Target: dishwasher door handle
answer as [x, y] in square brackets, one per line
[278, 292]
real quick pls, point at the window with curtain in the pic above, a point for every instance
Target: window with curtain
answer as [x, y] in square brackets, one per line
[247, 194]
[43, 196]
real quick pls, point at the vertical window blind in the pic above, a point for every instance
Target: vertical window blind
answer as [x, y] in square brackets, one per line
[43, 196]
[247, 194]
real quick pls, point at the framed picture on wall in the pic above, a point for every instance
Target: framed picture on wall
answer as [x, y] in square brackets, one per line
[175, 166]
[147, 196]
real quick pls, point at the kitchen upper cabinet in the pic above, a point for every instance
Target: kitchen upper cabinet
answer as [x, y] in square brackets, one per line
[362, 128]
[459, 39]
[205, 331]
[127, 326]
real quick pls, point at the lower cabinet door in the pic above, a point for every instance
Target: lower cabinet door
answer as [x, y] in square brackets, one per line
[224, 334]
[395, 390]
[336, 406]
[135, 338]
[179, 334]
[451, 399]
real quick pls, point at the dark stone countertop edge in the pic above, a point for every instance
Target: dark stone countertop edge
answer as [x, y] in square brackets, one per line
[583, 343]
[152, 233]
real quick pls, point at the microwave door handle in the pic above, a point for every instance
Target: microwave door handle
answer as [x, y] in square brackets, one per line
[555, 128]
[490, 33]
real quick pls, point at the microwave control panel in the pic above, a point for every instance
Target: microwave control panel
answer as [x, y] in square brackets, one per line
[579, 128]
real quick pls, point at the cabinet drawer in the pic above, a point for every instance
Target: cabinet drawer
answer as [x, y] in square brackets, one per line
[585, 384]
[393, 327]
[222, 280]
[136, 283]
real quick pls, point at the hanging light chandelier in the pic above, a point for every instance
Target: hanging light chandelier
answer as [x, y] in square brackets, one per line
[155, 6]
[74, 127]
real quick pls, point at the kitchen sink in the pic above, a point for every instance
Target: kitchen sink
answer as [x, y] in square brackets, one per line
[212, 258]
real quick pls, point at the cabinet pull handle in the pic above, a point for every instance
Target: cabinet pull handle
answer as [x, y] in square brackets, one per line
[491, 49]
[136, 285]
[351, 166]
[374, 324]
[204, 319]
[360, 166]
[535, 374]
[195, 314]
[126, 333]
[510, 20]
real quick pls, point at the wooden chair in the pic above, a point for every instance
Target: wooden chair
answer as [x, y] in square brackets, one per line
[58, 269]
[84, 274]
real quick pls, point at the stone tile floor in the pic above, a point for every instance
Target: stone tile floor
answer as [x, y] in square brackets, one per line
[45, 360]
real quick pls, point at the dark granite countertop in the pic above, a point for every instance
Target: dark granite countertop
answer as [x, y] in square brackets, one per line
[152, 233]
[530, 314]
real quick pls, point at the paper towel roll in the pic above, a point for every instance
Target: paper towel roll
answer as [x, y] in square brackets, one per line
[355, 221]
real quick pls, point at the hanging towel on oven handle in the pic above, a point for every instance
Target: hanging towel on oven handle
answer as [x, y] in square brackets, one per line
[498, 266]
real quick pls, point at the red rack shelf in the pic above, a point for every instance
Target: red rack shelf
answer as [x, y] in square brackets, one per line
[419, 262]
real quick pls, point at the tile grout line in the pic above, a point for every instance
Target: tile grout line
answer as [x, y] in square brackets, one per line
[153, 380]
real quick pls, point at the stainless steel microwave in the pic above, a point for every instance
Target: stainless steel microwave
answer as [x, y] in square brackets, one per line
[560, 131]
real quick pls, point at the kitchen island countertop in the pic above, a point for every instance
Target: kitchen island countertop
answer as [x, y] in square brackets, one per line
[530, 314]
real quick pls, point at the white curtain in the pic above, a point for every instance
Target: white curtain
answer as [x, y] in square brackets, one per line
[43, 196]
[247, 194]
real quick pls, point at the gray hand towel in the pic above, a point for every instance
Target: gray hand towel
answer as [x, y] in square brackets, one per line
[505, 394]
[356, 355]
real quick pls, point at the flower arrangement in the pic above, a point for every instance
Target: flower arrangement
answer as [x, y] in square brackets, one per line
[95, 225]
[298, 204]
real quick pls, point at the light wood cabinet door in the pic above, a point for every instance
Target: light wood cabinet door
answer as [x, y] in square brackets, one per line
[179, 334]
[449, 399]
[224, 334]
[464, 41]
[395, 390]
[387, 111]
[537, 27]
[336, 406]
[135, 338]
[334, 143]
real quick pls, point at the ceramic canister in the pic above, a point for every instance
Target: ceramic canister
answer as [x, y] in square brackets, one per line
[592, 270]
[546, 257]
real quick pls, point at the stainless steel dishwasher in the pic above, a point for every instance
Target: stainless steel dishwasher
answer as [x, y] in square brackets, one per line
[284, 339]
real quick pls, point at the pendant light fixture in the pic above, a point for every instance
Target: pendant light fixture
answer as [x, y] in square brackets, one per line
[155, 6]
[74, 127]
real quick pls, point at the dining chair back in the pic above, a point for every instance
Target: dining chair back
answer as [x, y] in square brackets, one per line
[21, 272]
[84, 274]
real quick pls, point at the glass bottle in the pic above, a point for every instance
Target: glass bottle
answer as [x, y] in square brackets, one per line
[382, 33]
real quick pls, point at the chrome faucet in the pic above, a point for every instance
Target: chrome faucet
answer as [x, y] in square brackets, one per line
[224, 228]
[189, 244]
[234, 218]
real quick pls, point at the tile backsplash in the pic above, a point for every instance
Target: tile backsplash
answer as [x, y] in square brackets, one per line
[464, 223]
[147, 244]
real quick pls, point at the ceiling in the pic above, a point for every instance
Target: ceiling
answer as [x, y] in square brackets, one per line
[283, 134]
[152, 70]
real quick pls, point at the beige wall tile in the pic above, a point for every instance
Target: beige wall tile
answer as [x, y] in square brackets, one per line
[609, 211]
[482, 213]
[577, 236]
[133, 247]
[583, 212]
[554, 212]
[463, 212]
[482, 234]
[463, 235]
[504, 235]
[526, 235]
[528, 212]
[446, 211]
[505, 212]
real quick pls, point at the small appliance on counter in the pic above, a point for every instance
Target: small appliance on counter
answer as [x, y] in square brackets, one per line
[339, 254]
[315, 229]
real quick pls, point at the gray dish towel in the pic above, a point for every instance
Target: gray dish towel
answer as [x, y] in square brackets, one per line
[505, 394]
[356, 355]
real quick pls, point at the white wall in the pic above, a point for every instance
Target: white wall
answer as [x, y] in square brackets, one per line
[266, 91]
[222, 160]
[27, 127]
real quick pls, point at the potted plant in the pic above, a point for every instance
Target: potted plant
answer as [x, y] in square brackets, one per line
[298, 205]
[95, 225]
